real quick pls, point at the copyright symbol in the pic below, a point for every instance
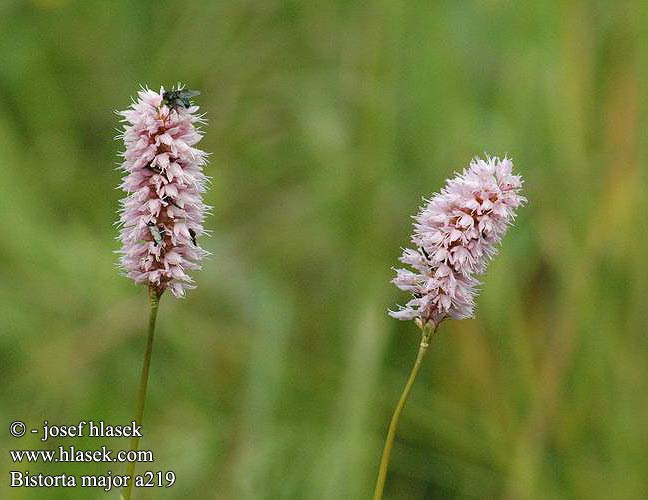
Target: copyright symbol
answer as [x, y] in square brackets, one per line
[17, 429]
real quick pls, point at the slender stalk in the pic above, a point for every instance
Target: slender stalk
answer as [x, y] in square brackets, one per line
[141, 398]
[426, 334]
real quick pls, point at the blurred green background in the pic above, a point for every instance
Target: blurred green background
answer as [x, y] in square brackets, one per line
[328, 121]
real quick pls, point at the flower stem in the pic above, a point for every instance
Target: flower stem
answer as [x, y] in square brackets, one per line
[154, 297]
[426, 334]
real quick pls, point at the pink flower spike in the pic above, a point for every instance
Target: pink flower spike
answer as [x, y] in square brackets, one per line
[455, 235]
[162, 215]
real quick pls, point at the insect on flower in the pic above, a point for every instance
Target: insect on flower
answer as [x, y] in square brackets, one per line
[192, 233]
[164, 184]
[169, 200]
[178, 98]
[157, 233]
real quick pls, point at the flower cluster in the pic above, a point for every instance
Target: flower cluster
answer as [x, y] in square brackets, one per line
[162, 215]
[455, 235]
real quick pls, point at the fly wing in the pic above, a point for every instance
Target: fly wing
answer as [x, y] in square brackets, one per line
[188, 94]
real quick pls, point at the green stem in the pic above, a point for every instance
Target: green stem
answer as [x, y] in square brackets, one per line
[154, 297]
[426, 334]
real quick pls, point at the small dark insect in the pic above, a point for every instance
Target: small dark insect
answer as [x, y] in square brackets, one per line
[155, 169]
[156, 232]
[175, 99]
[168, 199]
[192, 233]
[427, 255]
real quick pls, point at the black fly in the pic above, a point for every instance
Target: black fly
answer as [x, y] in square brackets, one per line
[192, 233]
[175, 99]
[168, 199]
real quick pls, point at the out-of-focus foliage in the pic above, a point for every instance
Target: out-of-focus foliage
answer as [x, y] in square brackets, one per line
[328, 121]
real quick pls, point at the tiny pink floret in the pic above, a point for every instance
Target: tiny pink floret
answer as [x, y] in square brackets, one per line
[455, 236]
[162, 215]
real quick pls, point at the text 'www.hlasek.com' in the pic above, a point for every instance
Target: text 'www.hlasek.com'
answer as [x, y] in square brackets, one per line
[31, 459]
